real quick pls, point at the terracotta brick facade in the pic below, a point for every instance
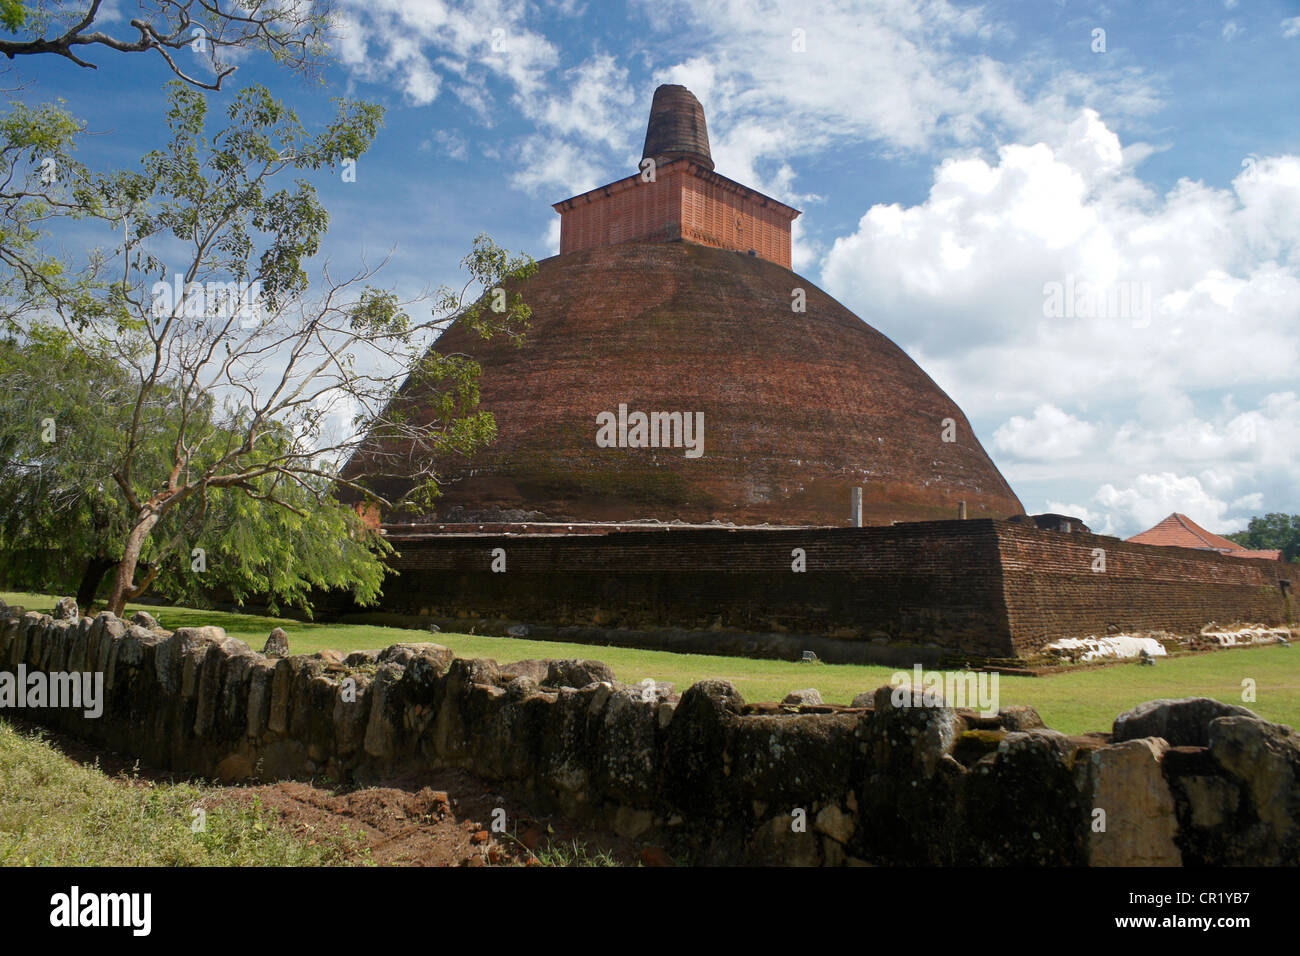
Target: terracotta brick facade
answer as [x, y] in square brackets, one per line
[916, 583]
[687, 202]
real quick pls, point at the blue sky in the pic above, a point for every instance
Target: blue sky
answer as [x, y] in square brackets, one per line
[953, 161]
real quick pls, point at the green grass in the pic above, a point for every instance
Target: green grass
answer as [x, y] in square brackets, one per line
[1073, 701]
[56, 812]
[574, 853]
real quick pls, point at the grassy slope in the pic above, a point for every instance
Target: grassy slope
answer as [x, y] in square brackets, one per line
[56, 812]
[1072, 702]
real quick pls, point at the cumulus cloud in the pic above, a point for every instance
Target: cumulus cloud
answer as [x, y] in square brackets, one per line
[975, 268]
[1220, 469]
[1050, 435]
[1152, 497]
[782, 79]
[1060, 269]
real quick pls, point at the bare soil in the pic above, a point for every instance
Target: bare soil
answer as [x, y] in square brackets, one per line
[445, 818]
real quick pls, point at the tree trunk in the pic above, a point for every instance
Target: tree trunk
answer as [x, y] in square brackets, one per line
[130, 558]
[96, 568]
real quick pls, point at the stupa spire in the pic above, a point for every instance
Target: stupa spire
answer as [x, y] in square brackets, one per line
[676, 129]
[678, 197]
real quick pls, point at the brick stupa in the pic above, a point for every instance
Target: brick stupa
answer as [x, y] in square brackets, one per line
[673, 294]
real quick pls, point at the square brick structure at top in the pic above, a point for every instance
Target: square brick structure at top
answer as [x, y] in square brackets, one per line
[685, 202]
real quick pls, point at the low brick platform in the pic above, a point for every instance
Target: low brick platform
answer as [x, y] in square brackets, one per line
[984, 588]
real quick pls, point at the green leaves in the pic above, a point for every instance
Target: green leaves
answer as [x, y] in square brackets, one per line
[378, 311]
[495, 313]
[1275, 530]
[213, 192]
[12, 15]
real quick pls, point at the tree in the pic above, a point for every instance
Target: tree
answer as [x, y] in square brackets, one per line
[293, 32]
[62, 525]
[1266, 532]
[41, 181]
[58, 411]
[241, 384]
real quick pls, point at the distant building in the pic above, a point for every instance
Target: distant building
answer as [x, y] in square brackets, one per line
[1050, 521]
[1180, 531]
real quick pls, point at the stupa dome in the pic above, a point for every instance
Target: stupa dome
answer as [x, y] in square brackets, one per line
[672, 299]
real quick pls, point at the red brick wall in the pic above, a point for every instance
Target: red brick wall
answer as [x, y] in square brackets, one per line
[625, 211]
[714, 215]
[1052, 591]
[981, 588]
[926, 582]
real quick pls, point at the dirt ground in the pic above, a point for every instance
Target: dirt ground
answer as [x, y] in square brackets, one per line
[445, 818]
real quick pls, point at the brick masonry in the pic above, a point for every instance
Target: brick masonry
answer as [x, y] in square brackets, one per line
[982, 588]
[685, 201]
[1051, 590]
[799, 407]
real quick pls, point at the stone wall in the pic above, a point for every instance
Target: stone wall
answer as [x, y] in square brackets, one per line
[980, 588]
[715, 780]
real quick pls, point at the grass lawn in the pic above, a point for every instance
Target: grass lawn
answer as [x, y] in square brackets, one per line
[1073, 702]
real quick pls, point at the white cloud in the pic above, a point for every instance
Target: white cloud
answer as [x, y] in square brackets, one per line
[1153, 497]
[1051, 435]
[1228, 465]
[1291, 27]
[453, 145]
[594, 104]
[902, 76]
[402, 41]
[556, 170]
[550, 240]
[966, 280]
[1259, 441]
[971, 269]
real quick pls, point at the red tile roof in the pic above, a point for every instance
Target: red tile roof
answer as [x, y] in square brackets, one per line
[1180, 531]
